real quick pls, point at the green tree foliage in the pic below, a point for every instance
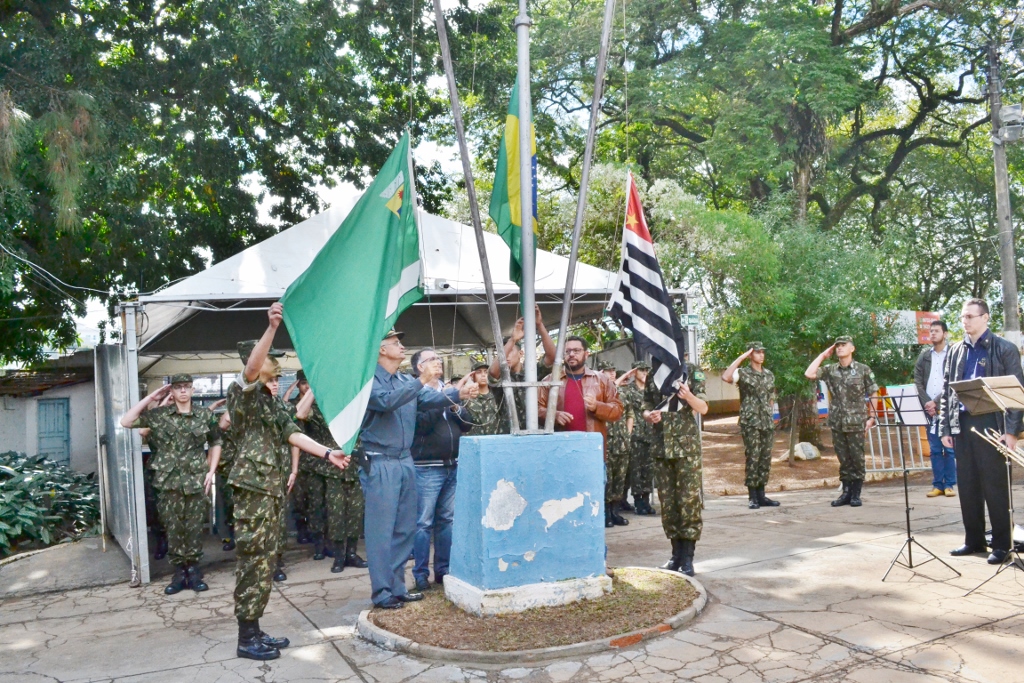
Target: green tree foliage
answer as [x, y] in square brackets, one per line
[135, 136]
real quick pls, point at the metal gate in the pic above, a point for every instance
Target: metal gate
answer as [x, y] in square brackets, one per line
[120, 458]
[53, 429]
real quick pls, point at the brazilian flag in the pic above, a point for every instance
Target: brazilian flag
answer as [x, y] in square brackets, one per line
[506, 209]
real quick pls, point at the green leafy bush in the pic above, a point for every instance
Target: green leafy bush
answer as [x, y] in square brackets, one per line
[42, 503]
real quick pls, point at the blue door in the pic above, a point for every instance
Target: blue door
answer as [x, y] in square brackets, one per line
[54, 429]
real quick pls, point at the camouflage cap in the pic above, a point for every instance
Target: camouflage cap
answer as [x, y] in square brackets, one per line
[245, 350]
[605, 365]
[844, 339]
[181, 378]
[479, 365]
[300, 376]
[393, 333]
[755, 346]
[641, 365]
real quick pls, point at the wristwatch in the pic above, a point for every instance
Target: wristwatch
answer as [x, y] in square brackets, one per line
[328, 453]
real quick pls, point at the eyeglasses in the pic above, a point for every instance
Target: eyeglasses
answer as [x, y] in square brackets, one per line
[971, 317]
[575, 352]
[427, 360]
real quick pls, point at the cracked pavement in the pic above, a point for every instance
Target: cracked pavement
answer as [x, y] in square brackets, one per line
[795, 594]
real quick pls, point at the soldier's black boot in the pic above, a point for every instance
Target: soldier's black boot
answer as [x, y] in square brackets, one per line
[279, 574]
[250, 646]
[339, 563]
[195, 578]
[855, 487]
[843, 499]
[270, 641]
[351, 558]
[617, 519]
[318, 547]
[643, 505]
[765, 500]
[608, 524]
[178, 582]
[752, 502]
[161, 546]
[677, 557]
[624, 505]
[686, 556]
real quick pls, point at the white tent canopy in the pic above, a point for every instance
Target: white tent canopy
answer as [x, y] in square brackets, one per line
[193, 325]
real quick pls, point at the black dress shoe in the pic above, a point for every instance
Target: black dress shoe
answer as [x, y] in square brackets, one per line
[410, 597]
[966, 550]
[390, 603]
[998, 556]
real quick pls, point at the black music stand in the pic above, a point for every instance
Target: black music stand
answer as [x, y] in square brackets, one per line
[995, 395]
[905, 555]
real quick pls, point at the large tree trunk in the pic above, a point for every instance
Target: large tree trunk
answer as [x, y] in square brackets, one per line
[802, 190]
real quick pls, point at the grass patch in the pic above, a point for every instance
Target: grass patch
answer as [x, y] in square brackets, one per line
[639, 599]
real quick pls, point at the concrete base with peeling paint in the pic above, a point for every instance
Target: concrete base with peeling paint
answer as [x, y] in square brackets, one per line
[486, 603]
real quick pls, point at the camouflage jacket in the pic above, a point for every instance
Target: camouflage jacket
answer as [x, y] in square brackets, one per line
[487, 411]
[633, 403]
[677, 435]
[757, 395]
[260, 426]
[315, 427]
[848, 390]
[178, 442]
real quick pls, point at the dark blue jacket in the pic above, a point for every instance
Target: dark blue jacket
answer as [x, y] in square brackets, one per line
[438, 431]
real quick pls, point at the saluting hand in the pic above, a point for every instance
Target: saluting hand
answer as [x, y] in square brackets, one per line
[829, 351]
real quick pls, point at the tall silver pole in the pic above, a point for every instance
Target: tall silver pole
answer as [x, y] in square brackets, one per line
[1007, 253]
[581, 205]
[526, 212]
[474, 209]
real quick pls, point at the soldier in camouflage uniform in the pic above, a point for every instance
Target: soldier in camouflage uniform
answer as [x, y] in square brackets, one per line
[486, 409]
[335, 495]
[757, 396]
[263, 428]
[616, 458]
[677, 454]
[180, 434]
[850, 385]
[641, 435]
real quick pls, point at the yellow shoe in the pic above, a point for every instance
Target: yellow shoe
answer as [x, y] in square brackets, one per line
[950, 493]
[934, 492]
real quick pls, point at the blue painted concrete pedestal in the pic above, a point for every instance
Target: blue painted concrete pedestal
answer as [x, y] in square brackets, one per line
[529, 522]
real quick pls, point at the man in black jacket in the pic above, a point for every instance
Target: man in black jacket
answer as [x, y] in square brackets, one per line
[980, 469]
[435, 452]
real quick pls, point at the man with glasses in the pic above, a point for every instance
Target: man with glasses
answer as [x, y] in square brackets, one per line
[588, 400]
[389, 475]
[980, 468]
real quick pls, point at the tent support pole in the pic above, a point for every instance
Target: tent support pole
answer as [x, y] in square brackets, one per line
[581, 205]
[474, 209]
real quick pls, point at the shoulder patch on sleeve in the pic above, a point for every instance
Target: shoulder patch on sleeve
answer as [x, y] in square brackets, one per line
[698, 375]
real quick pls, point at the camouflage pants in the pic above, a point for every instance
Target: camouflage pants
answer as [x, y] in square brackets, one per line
[757, 446]
[850, 451]
[679, 493]
[183, 515]
[641, 468]
[615, 475]
[258, 520]
[345, 506]
[310, 495]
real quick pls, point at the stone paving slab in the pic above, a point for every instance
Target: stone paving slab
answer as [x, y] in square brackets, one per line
[795, 595]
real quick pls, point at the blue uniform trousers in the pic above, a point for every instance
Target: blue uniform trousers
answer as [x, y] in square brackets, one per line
[389, 487]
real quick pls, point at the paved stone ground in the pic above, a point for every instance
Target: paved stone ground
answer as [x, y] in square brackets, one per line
[796, 595]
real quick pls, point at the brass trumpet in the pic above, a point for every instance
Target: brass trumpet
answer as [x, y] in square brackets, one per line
[993, 437]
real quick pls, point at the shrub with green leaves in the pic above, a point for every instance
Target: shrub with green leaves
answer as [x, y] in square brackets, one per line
[43, 503]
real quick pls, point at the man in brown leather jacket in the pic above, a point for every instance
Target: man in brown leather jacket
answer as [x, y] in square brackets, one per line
[588, 400]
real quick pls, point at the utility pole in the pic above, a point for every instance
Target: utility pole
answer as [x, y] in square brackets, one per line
[1007, 252]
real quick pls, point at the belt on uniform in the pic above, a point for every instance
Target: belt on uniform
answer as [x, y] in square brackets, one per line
[383, 456]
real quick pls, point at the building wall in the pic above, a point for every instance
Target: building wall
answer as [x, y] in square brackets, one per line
[19, 427]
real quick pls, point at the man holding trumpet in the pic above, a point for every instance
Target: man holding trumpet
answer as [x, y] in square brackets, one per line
[980, 467]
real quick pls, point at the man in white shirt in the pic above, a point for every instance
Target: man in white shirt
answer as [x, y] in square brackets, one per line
[928, 377]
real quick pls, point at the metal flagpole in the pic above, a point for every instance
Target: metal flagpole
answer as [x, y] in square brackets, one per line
[581, 204]
[467, 171]
[526, 213]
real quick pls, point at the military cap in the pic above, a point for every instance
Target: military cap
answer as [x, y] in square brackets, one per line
[479, 365]
[393, 333]
[245, 350]
[181, 378]
[641, 365]
[605, 365]
[755, 346]
[844, 339]
[300, 376]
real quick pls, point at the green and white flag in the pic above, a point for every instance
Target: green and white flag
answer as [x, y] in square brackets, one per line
[338, 310]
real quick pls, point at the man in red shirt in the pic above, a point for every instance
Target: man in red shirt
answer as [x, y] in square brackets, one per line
[588, 400]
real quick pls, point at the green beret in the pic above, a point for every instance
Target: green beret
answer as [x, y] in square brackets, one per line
[245, 350]
[641, 365]
[755, 346]
[845, 339]
[181, 378]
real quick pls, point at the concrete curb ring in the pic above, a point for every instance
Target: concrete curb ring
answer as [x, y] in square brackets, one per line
[396, 643]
